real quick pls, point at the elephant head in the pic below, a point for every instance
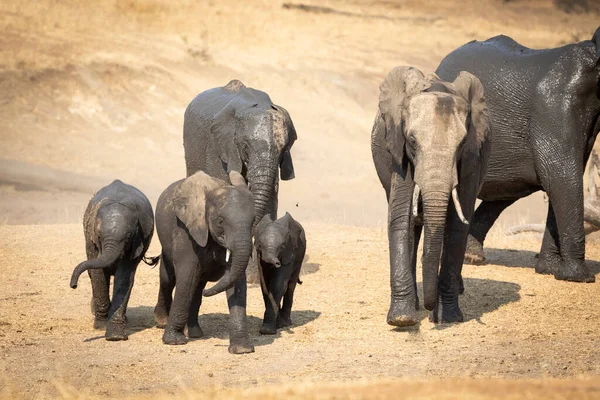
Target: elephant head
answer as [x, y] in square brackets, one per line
[263, 134]
[207, 205]
[431, 128]
[272, 240]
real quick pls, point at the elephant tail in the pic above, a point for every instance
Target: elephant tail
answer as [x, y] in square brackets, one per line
[299, 281]
[151, 261]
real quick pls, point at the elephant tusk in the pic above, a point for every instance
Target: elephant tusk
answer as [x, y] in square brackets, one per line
[415, 200]
[227, 254]
[458, 207]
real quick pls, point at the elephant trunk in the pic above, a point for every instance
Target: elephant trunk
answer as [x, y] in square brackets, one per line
[262, 178]
[111, 252]
[435, 207]
[241, 251]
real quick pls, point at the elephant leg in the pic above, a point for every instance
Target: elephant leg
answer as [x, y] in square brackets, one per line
[165, 293]
[285, 314]
[416, 238]
[194, 330]
[402, 310]
[486, 214]
[188, 278]
[117, 316]
[100, 303]
[239, 341]
[450, 284]
[549, 259]
[274, 287]
[566, 197]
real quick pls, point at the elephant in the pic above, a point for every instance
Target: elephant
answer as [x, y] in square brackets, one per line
[545, 108]
[201, 223]
[118, 225]
[237, 128]
[280, 246]
[430, 142]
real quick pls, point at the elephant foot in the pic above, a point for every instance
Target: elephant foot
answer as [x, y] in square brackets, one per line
[241, 348]
[548, 264]
[575, 271]
[402, 314]
[174, 337]
[446, 313]
[161, 317]
[100, 323]
[268, 329]
[116, 332]
[283, 321]
[474, 254]
[195, 332]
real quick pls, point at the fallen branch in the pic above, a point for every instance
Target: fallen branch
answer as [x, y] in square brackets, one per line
[329, 10]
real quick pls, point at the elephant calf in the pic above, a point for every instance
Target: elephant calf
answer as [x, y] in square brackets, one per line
[118, 225]
[280, 246]
[201, 221]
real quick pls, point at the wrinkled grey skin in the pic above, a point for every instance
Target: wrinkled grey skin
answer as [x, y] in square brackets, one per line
[197, 220]
[544, 107]
[236, 128]
[118, 225]
[430, 145]
[280, 246]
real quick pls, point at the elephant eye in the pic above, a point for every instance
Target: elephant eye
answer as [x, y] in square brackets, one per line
[220, 222]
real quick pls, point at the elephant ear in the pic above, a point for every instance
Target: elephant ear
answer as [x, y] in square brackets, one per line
[286, 166]
[596, 41]
[399, 85]
[224, 135]
[470, 87]
[145, 230]
[189, 202]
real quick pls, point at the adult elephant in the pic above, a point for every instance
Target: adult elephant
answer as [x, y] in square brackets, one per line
[236, 128]
[544, 107]
[430, 143]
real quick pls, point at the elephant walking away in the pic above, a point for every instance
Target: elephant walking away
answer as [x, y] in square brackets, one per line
[118, 225]
[280, 246]
[237, 128]
[205, 230]
[544, 107]
[430, 145]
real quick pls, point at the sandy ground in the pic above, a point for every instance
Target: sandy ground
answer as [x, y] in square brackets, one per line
[518, 324]
[97, 92]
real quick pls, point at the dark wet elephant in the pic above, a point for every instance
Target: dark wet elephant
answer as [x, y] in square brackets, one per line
[237, 128]
[430, 146]
[201, 222]
[544, 107]
[118, 225]
[280, 246]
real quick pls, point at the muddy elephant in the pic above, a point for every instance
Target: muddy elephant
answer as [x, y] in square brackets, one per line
[237, 128]
[118, 225]
[430, 144]
[280, 245]
[545, 108]
[205, 230]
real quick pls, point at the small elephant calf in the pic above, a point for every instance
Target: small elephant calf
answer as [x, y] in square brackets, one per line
[118, 225]
[280, 246]
[201, 221]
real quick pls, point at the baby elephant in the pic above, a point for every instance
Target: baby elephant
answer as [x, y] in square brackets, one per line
[118, 225]
[280, 246]
[202, 222]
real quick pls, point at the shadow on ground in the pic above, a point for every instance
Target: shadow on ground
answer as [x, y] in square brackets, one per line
[216, 326]
[522, 259]
[481, 296]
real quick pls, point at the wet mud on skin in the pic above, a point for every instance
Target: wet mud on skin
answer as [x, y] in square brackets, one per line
[517, 324]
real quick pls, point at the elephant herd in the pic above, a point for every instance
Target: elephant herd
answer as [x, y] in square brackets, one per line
[496, 121]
